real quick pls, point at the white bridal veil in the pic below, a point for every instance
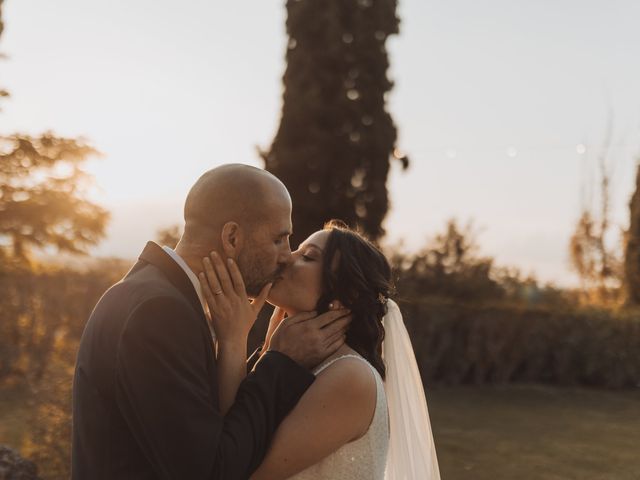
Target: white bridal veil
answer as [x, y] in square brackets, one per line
[412, 453]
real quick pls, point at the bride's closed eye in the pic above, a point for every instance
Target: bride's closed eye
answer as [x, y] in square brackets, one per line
[309, 253]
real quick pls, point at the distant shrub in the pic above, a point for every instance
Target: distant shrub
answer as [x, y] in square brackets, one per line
[450, 266]
[457, 343]
[45, 307]
[43, 310]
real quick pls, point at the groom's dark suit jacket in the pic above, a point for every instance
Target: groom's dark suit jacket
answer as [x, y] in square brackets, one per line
[145, 395]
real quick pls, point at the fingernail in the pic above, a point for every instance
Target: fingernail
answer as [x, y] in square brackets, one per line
[230, 261]
[331, 305]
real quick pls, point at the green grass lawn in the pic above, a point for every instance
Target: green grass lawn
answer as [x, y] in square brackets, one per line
[536, 432]
[493, 433]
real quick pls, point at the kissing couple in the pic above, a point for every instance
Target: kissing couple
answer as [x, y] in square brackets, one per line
[163, 388]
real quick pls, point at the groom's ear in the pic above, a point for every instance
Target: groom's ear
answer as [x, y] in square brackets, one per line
[231, 239]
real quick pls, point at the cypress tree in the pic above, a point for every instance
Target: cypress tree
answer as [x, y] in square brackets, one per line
[632, 253]
[336, 139]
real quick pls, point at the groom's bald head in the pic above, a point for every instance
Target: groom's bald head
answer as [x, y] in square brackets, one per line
[240, 203]
[231, 193]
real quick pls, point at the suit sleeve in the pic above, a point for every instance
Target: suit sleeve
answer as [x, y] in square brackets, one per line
[164, 391]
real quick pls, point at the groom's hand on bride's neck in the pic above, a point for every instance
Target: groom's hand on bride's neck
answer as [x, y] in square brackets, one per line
[309, 338]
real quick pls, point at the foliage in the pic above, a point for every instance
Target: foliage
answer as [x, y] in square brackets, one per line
[451, 267]
[41, 194]
[471, 322]
[448, 266]
[49, 426]
[632, 253]
[335, 139]
[457, 343]
[597, 263]
[41, 201]
[44, 308]
[42, 316]
[169, 236]
[3, 93]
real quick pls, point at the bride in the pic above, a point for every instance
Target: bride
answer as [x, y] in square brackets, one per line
[365, 416]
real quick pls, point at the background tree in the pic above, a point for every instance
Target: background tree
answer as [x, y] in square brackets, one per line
[3, 93]
[41, 194]
[597, 263]
[449, 266]
[43, 308]
[336, 138]
[169, 236]
[632, 251]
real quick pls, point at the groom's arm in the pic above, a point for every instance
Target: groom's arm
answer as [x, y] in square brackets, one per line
[165, 395]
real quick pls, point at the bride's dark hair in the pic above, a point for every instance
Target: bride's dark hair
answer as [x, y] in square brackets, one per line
[355, 272]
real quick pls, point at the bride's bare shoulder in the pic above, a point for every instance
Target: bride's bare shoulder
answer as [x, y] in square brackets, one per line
[348, 381]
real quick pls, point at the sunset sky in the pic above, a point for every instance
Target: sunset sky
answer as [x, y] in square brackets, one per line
[492, 100]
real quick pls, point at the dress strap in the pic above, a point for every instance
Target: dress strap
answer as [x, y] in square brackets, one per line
[333, 360]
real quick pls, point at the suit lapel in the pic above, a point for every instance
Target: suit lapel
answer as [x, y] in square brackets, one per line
[155, 255]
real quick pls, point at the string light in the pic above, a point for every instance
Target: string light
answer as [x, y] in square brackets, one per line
[512, 151]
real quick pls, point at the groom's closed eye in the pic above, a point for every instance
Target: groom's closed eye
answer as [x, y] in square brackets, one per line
[280, 240]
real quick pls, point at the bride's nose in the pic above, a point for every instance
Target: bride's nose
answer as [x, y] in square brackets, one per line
[286, 266]
[296, 256]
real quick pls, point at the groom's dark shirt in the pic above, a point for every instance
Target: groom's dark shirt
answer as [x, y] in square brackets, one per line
[145, 394]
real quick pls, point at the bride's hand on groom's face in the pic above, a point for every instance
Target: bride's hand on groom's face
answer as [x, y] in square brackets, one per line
[308, 338]
[232, 314]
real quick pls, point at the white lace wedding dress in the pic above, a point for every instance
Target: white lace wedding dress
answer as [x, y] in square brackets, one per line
[364, 458]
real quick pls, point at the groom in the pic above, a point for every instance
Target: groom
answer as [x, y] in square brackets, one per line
[145, 392]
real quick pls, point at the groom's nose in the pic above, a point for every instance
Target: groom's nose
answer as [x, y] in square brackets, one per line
[285, 258]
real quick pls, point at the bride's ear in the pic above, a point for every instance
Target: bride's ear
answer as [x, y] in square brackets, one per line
[231, 239]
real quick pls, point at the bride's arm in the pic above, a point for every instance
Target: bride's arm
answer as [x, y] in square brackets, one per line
[232, 316]
[336, 409]
[231, 369]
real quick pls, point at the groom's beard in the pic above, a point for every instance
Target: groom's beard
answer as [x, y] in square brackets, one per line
[254, 275]
[255, 289]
